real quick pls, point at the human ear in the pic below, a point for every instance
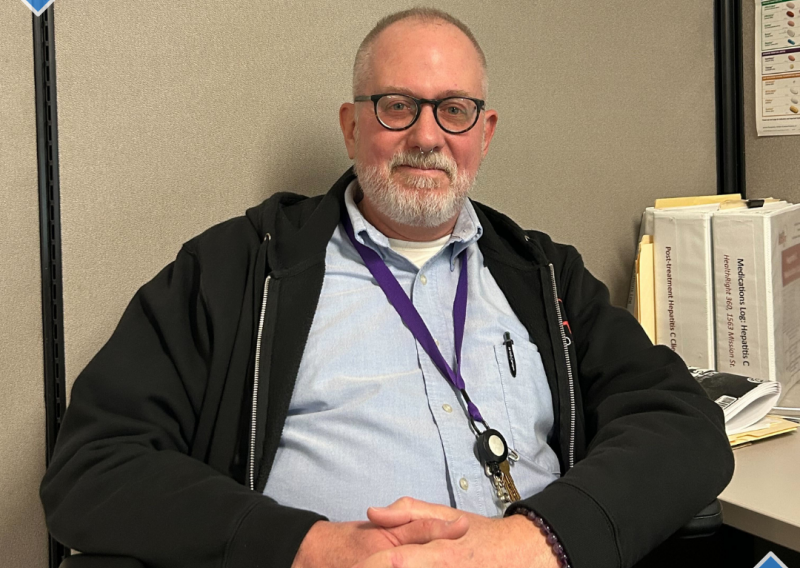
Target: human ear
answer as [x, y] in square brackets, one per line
[489, 125]
[347, 122]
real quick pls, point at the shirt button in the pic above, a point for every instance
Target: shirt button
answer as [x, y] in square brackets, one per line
[423, 279]
[447, 408]
[464, 483]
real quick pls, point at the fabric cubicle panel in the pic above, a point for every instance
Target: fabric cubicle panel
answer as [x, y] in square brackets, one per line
[604, 107]
[772, 163]
[174, 116]
[23, 537]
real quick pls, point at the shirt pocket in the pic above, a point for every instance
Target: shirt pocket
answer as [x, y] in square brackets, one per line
[528, 403]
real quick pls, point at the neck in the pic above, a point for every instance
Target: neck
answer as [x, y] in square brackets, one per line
[395, 230]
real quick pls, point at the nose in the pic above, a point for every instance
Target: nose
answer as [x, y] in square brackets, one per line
[426, 133]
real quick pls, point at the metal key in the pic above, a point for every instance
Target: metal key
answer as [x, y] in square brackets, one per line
[498, 480]
[504, 486]
[494, 453]
[509, 481]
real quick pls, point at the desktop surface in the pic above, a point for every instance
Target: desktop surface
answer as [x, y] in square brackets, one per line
[763, 497]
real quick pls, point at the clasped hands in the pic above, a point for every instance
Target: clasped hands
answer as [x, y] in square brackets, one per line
[415, 534]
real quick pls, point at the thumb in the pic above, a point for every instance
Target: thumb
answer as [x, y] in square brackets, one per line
[424, 531]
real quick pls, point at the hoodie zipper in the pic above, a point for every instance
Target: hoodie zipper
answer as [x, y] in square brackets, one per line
[254, 408]
[570, 381]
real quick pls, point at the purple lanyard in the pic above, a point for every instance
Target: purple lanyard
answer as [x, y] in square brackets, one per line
[410, 316]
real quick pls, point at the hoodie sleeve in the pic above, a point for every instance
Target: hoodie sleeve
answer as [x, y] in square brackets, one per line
[656, 450]
[121, 481]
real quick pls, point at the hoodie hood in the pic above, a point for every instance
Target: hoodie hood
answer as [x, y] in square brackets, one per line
[304, 226]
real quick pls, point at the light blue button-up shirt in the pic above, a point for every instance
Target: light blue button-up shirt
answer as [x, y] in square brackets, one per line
[373, 419]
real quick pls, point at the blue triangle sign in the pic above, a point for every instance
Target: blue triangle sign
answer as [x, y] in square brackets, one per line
[771, 561]
[37, 6]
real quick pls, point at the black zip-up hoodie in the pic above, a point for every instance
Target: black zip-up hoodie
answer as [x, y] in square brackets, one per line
[173, 426]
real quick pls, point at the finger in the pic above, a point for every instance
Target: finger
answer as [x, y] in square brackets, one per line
[411, 556]
[388, 518]
[406, 509]
[426, 530]
[391, 558]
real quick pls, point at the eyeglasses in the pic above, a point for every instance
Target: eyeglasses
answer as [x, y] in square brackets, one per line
[454, 115]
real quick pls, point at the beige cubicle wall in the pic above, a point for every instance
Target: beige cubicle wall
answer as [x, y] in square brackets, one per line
[23, 538]
[174, 116]
[772, 163]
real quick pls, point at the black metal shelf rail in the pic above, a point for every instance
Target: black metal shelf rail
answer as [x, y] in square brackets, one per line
[44, 62]
[730, 96]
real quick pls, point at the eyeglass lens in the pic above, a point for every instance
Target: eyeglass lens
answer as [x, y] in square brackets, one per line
[454, 114]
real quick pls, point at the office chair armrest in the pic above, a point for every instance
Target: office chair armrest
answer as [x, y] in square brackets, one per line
[704, 523]
[100, 561]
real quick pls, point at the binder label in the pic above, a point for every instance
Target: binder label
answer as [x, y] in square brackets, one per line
[736, 310]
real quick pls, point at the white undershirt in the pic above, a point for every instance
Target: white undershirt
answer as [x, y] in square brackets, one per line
[418, 252]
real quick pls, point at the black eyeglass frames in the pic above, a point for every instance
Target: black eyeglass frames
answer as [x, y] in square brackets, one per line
[454, 115]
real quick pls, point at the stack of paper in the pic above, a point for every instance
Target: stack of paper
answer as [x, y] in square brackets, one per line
[645, 290]
[768, 427]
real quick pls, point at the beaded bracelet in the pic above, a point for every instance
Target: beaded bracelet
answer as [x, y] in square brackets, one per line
[549, 535]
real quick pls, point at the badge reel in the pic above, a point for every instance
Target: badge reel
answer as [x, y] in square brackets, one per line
[494, 453]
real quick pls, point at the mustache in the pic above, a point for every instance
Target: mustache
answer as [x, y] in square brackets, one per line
[432, 161]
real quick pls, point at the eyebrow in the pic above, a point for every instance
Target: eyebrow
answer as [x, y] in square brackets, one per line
[443, 95]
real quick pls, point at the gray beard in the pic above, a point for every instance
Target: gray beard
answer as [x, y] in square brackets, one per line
[415, 205]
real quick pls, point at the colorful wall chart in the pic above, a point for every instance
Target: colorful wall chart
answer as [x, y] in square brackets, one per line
[778, 59]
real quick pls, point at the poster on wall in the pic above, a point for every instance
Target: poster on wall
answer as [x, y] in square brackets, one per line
[777, 67]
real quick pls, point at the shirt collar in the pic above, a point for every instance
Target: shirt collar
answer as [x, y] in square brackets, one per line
[467, 229]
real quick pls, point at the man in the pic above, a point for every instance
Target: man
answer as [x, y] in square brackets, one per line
[297, 370]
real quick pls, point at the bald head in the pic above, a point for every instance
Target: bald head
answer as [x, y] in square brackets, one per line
[401, 26]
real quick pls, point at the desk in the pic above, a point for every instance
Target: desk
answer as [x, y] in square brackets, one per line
[763, 498]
